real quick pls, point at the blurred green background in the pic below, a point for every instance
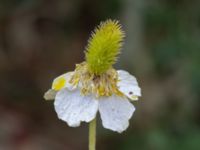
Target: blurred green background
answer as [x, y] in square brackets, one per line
[41, 39]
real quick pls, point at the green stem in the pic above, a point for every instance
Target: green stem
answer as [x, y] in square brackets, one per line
[92, 134]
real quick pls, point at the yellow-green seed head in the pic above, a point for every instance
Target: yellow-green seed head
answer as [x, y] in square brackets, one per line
[104, 46]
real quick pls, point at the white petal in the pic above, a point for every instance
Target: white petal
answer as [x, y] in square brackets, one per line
[128, 85]
[73, 108]
[50, 94]
[115, 112]
[66, 77]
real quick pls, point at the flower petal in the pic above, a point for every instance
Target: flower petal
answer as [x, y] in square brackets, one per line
[115, 112]
[72, 107]
[59, 83]
[128, 85]
[50, 94]
[62, 81]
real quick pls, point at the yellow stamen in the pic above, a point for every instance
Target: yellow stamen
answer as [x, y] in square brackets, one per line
[99, 85]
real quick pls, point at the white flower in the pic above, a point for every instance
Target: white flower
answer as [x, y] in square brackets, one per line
[75, 102]
[95, 85]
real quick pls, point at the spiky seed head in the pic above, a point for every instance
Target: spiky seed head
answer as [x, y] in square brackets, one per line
[104, 46]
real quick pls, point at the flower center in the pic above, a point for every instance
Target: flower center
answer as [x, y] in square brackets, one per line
[104, 84]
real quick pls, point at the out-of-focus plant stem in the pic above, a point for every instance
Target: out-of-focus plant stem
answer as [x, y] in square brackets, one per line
[92, 135]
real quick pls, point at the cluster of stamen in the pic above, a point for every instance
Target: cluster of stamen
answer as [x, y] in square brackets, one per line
[104, 84]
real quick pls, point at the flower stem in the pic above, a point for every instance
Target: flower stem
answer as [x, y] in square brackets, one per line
[92, 134]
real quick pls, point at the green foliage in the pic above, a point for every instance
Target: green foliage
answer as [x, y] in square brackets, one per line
[104, 46]
[161, 139]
